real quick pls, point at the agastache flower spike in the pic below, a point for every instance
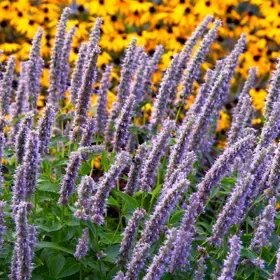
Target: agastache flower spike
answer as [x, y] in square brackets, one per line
[101, 113]
[153, 228]
[133, 181]
[83, 245]
[273, 91]
[88, 150]
[31, 161]
[21, 138]
[152, 162]
[56, 57]
[152, 66]
[271, 189]
[34, 70]
[137, 262]
[271, 127]
[190, 44]
[6, 86]
[19, 188]
[167, 87]
[107, 183]
[64, 64]
[243, 109]
[276, 273]
[138, 86]
[265, 227]
[76, 80]
[82, 105]
[85, 190]
[94, 35]
[122, 90]
[123, 123]
[185, 167]
[45, 127]
[2, 225]
[119, 276]
[69, 179]
[22, 266]
[130, 235]
[160, 262]
[238, 201]
[197, 200]
[178, 150]
[88, 133]
[201, 267]
[20, 105]
[195, 63]
[232, 259]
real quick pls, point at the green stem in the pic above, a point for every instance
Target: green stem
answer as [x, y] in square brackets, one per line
[178, 113]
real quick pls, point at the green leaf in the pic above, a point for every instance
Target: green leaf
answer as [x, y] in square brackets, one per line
[54, 246]
[131, 202]
[177, 217]
[71, 267]
[48, 187]
[55, 264]
[113, 202]
[112, 253]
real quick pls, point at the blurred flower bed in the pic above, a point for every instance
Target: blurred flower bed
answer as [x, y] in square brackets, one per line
[167, 22]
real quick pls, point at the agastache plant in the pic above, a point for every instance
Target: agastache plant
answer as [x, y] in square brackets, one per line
[83, 245]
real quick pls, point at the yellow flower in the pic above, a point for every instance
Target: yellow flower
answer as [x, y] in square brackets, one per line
[223, 122]
[258, 96]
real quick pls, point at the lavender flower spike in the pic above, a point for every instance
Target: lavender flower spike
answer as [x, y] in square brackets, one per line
[123, 123]
[31, 161]
[152, 162]
[6, 86]
[69, 179]
[45, 127]
[232, 259]
[161, 260]
[83, 245]
[76, 79]
[2, 145]
[22, 266]
[265, 227]
[276, 273]
[65, 67]
[2, 226]
[195, 63]
[82, 105]
[56, 58]
[106, 185]
[21, 138]
[34, 69]
[101, 113]
[130, 235]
